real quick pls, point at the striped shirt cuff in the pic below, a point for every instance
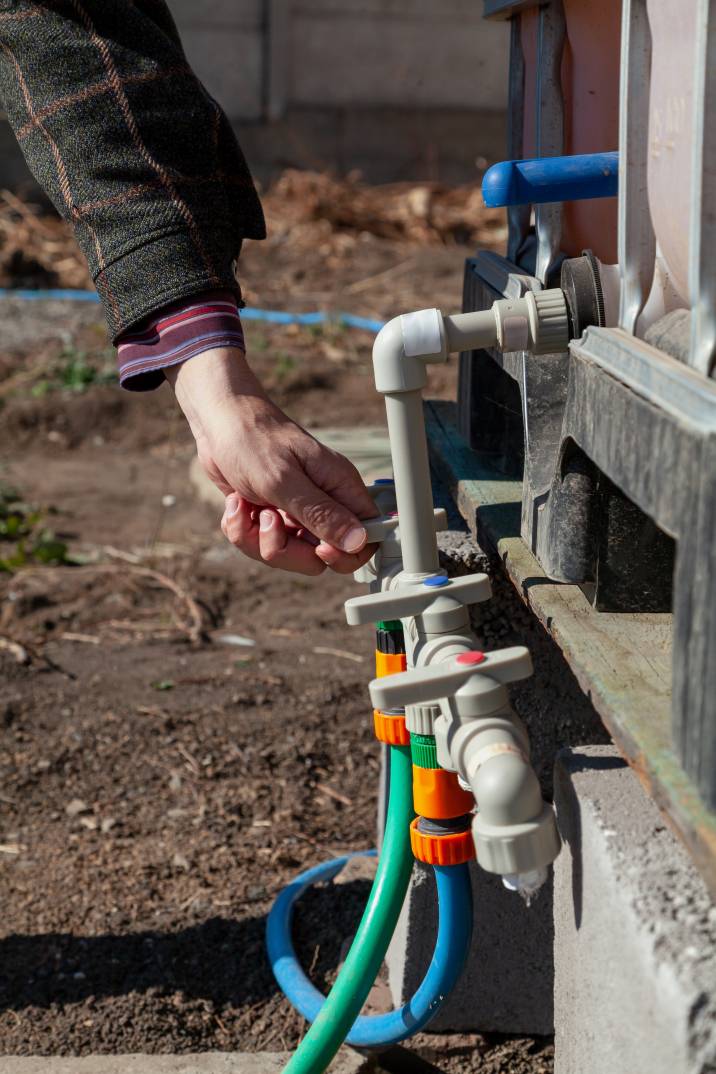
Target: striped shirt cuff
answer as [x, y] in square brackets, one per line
[175, 334]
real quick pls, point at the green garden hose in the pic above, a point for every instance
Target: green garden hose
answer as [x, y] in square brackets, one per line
[376, 928]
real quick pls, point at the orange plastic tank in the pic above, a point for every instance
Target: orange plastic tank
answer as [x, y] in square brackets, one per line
[590, 91]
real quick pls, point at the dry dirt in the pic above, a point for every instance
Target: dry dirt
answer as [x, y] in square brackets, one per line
[159, 784]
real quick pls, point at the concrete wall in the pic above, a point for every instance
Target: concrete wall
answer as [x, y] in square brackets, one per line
[398, 89]
[224, 42]
[405, 53]
[345, 54]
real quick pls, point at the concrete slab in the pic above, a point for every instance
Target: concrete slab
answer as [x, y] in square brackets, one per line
[635, 930]
[506, 986]
[346, 1062]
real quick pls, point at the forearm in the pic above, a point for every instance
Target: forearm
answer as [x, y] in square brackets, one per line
[131, 149]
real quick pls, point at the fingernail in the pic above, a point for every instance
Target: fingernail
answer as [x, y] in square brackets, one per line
[232, 505]
[354, 539]
[265, 521]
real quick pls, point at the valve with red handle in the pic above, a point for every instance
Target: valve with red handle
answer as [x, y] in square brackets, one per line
[479, 736]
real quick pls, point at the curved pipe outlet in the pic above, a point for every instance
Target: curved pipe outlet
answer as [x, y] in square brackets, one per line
[506, 789]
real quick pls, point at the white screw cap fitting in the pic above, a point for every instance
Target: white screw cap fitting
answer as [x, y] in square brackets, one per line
[517, 848]
[548, 312]
[537, 322]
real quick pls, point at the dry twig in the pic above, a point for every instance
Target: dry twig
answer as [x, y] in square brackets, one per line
[326, 650]
[334, 794]
[20, 653]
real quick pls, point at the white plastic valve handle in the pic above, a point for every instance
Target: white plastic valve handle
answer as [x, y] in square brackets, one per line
[401, 603]
[422, 685]
[379, 528]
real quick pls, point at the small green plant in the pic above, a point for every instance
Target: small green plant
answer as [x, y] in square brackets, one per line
[76, 371]
[77, 374]
[284, 364]
[24, 540]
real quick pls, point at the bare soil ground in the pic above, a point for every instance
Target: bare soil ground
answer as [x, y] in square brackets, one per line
[159, 784]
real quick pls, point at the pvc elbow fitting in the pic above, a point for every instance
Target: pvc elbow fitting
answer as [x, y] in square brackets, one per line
[514, 830]
[537, 322]
[506, 789]
[403, 346]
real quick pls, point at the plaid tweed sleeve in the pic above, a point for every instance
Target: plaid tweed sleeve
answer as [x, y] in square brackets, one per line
[131, 148]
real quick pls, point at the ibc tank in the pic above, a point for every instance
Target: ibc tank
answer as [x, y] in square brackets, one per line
[671, 132]
[590, 91]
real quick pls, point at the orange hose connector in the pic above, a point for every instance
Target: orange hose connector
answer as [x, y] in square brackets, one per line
[453, 849]
[437, 794]
[390, 728]
[389, 663]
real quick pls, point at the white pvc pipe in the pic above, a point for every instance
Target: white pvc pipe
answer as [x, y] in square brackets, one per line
[471, 331]
[413, 489]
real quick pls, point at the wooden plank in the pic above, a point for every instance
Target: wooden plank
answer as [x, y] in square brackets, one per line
[621, 661]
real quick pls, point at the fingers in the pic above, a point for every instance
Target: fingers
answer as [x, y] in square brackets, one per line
[280, 548]
[343, 562]
[322, 515]
[239, 526]
[262, 534]
[271, 537]
[340, 479]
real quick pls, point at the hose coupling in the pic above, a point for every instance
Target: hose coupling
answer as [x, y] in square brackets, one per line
[442, 842]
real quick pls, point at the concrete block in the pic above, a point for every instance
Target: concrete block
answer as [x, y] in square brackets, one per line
[507, 983]
[506, 986]
[635, 930]
[346, 1062]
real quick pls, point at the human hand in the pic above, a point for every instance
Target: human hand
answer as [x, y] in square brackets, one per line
[291, 502]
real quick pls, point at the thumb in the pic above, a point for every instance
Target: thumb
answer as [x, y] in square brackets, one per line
[323, 516]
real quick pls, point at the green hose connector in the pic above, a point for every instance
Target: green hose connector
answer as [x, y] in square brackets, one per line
[376, 928]
[424, 751]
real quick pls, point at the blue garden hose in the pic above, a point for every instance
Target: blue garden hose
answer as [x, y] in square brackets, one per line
[451, 950]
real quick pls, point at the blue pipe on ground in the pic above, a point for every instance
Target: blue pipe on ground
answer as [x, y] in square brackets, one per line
[451, 950]
[249, 313]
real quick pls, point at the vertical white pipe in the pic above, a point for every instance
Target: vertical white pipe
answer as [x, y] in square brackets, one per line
[411, 471]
